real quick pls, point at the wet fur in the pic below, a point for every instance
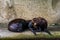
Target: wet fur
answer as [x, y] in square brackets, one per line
[41, 24]
[22, 21]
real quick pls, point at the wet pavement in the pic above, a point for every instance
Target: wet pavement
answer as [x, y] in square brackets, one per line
[6, 33]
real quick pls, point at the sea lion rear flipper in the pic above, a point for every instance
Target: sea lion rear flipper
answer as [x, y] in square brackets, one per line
[46, 30]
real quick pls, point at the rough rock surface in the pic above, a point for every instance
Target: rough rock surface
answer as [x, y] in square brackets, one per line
[28, 9]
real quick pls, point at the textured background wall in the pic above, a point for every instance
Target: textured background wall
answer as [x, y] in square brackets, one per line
[28, 9]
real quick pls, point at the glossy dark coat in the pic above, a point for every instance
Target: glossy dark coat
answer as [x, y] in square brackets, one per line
[17, 25]
[41, 25]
